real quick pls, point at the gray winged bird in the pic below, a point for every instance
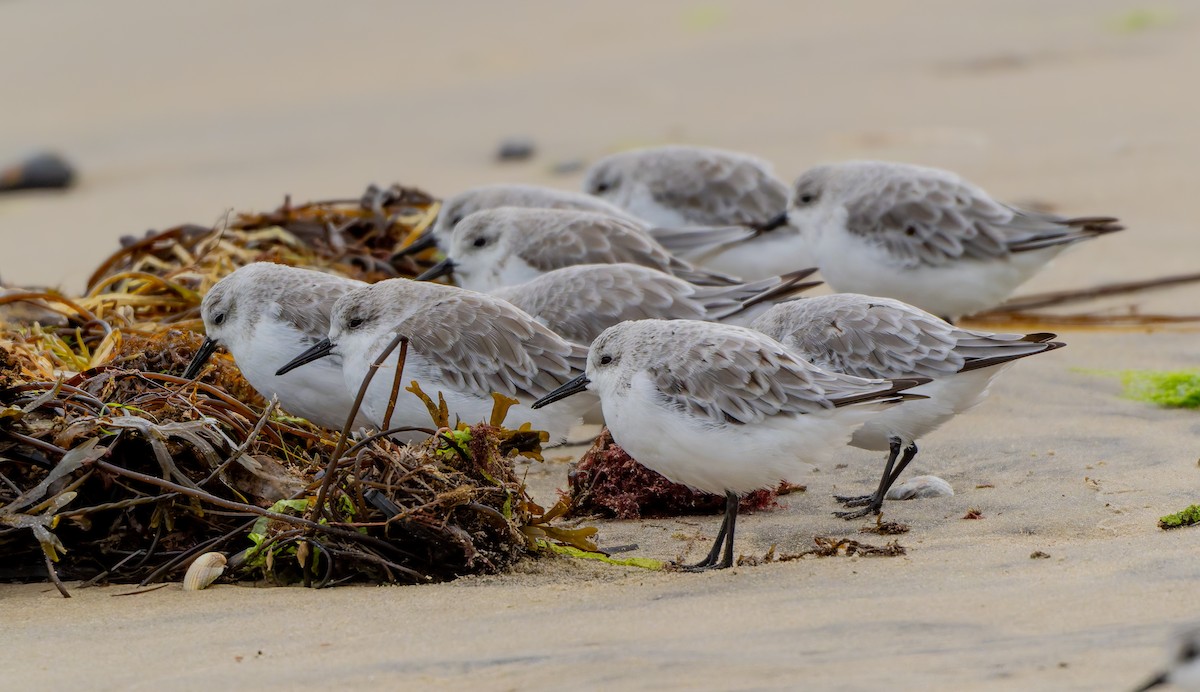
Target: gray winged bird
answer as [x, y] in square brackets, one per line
[925, 236]
[580, 301]
[722, 409]
[867, 336]
[687, 186]
[264, 313]
[677, 240]
[463, 344]
[511, 245]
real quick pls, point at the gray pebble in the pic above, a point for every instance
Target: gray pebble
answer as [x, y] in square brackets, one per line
[920, 487]
[515, 149]
[40, 171]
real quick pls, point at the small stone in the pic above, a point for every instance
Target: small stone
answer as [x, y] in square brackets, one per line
[40, 171]
[516, 149]
[1039, 555]
[919, 488]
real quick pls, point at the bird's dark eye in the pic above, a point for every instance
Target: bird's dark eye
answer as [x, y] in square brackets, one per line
[605, 360]
[219, 319]
[600, 188]
[355, 322]
[807, 198]
[480, 242]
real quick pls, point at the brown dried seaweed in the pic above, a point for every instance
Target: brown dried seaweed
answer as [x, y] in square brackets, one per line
[113, 467]
[606, 481]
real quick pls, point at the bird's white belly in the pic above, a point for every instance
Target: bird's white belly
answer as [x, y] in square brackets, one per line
[776, 252]
[911, 420]
[315, 391]
[719, 457]
[851, 265]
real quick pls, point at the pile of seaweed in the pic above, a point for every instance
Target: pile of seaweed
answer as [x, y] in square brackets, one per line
[608, 482]
[114, 468]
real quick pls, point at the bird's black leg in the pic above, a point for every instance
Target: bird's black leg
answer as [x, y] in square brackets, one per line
[863, 500]
[875, 503]
[724, 536]
[909, 452]
[731, 512]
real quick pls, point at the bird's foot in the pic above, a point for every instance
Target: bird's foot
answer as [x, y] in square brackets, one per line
[858, 513]
[854, 500]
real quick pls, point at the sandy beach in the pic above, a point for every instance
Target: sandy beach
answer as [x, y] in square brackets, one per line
[182, 113]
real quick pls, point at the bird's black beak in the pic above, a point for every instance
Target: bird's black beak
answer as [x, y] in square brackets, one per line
[777, 221]
[424, 242]
[318, 351]
[572, 386]
[1150, 684]
[442, 268]
[202, 355]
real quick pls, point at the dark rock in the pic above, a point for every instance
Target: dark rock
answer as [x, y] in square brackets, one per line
[516, 149]
[42, 171]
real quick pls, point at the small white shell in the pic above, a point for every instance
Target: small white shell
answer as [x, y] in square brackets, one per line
[203, 571]
[920, 487]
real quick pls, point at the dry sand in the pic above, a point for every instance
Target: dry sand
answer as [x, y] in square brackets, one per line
[180, 112]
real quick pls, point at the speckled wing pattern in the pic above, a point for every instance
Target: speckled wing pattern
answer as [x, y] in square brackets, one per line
[736, 377]
[481, 344]
[599, 239]
[716, 190]
[308, 306]
[926, 219]
[883, 338]
[580, 302]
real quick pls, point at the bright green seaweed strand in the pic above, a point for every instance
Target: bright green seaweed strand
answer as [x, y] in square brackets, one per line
[1187, 517]
[1170, 388]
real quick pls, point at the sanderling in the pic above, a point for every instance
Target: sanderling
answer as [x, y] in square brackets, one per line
[511, 245]
[1184, 669]
[721, 408]
[925, 236]
[462, 205]
[579, 302]
[463, 344]
[883, 338]
[263, 313]
[681, 186]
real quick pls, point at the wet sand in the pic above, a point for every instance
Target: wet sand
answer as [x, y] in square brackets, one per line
[181, 114]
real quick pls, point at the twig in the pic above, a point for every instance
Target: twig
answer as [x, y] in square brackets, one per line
[138, 593]
[1051, 298]
[383, 433]
[237, 453]
[96, 579]
[54, 576]
[345, 434]
[387, 416]
[222, 502]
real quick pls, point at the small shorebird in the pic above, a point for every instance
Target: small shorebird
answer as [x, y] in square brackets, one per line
[683, 186]
[264, 312]
[462, 205]
[511, 245]
[580, 301]
[722, 409]
[463, 344]
[925, 236]
[874, 337]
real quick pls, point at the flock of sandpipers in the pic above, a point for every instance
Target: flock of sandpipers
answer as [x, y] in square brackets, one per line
[663, 299]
